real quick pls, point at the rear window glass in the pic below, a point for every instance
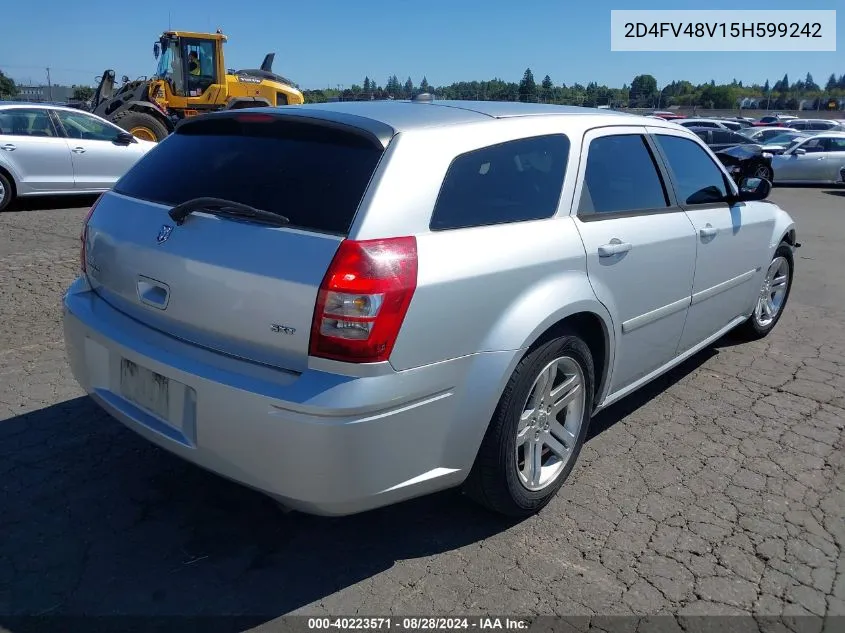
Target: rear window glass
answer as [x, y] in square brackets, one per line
[515, 181]
[313, 175]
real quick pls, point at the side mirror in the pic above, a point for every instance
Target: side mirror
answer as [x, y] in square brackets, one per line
[124, 138]
[799, 151]
[754, 189]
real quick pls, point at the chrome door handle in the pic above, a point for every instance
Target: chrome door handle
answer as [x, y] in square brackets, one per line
[78, 150]
[615, 247]
[8, 147]
[708, 231]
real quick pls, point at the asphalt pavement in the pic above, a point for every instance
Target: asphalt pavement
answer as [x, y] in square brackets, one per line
[718, 489]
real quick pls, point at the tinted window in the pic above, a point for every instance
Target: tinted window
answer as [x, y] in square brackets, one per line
[733, 137]
[621, 176]
[510, 182]
[723, 136]
[813, 145]
[835, 144]
[26, 122]
[314, 176]
[799, 125]
[82, 126]
[731, 125]
[697, 177]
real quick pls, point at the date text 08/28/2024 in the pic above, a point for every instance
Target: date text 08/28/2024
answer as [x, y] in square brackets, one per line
[417, 623]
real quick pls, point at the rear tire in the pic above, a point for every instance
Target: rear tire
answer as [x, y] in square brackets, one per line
[7, 191]
[525, 425]
[772, 298]
[142, 125]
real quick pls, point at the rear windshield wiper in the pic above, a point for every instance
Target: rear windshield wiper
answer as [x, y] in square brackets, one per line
[225, 208]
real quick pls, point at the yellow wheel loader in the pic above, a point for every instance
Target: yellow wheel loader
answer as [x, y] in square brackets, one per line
[191, 79]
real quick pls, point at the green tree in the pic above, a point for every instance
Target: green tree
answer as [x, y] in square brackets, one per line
[831, 83]
[8, 87]
[408, 89]
[546, 89]
[527, 87]
[810, 85]
[82, 93]
[367, 87]
[424, 87]
[643, 91]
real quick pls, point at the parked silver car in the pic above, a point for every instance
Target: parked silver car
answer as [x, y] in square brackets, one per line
[816, 159]
[55, 150]
[347, 305]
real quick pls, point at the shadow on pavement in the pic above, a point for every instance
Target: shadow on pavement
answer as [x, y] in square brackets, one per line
[48, 203]
[836, 192]
[605, 419]
[98, 521]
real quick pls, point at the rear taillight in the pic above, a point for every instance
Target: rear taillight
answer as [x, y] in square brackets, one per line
[83, 237]
[363, 300]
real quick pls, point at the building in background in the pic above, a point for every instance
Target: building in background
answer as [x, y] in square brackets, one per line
[38, 94]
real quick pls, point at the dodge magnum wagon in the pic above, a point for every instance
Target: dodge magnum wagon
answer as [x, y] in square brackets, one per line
[348, 305]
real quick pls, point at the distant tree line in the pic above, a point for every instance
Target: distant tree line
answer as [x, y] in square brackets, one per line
[642, 92]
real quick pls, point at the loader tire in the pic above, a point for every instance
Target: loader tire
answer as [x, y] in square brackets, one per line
[142, 125]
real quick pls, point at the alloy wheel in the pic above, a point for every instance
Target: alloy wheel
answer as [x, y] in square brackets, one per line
[773, 292]
[550, 423]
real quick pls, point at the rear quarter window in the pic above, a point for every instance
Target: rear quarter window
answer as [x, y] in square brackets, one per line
[515, 181]
[315, 176]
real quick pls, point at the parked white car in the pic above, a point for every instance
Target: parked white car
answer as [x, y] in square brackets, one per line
[54, 150]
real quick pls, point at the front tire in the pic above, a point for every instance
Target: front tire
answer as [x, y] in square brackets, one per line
[7, 192]
[764, 171]
[142, 125]
[773, 295]
[537, 430]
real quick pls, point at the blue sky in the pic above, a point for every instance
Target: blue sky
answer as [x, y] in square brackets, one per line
[330, 42]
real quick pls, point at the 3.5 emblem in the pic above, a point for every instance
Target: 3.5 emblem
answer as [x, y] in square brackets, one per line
[164, 233]
[282, 329]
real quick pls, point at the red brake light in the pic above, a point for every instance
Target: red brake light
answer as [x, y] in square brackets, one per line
[363, 300]
[83, 236]
[254, 118]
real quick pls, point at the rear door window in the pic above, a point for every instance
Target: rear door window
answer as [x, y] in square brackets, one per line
[515, 181]
[621, 176]
[314, 175]
[26, 122]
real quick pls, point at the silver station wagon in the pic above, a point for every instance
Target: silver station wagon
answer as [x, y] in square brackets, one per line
[349, 305]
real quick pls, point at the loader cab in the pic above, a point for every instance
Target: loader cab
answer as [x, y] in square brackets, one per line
[176, 52]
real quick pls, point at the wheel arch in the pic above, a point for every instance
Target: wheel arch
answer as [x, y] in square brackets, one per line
[10, 177]
[148, 108]
[591, 326]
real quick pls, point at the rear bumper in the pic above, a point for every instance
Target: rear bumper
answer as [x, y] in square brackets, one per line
[319, 442]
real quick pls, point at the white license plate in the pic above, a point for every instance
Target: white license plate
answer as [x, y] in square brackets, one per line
[145, 388]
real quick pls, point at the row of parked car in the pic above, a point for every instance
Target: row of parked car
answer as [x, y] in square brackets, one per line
[49, 149]
[779, 148]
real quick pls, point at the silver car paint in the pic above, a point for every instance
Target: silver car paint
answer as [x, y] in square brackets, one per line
[337, 438]
[813, 167]
[60, 166]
